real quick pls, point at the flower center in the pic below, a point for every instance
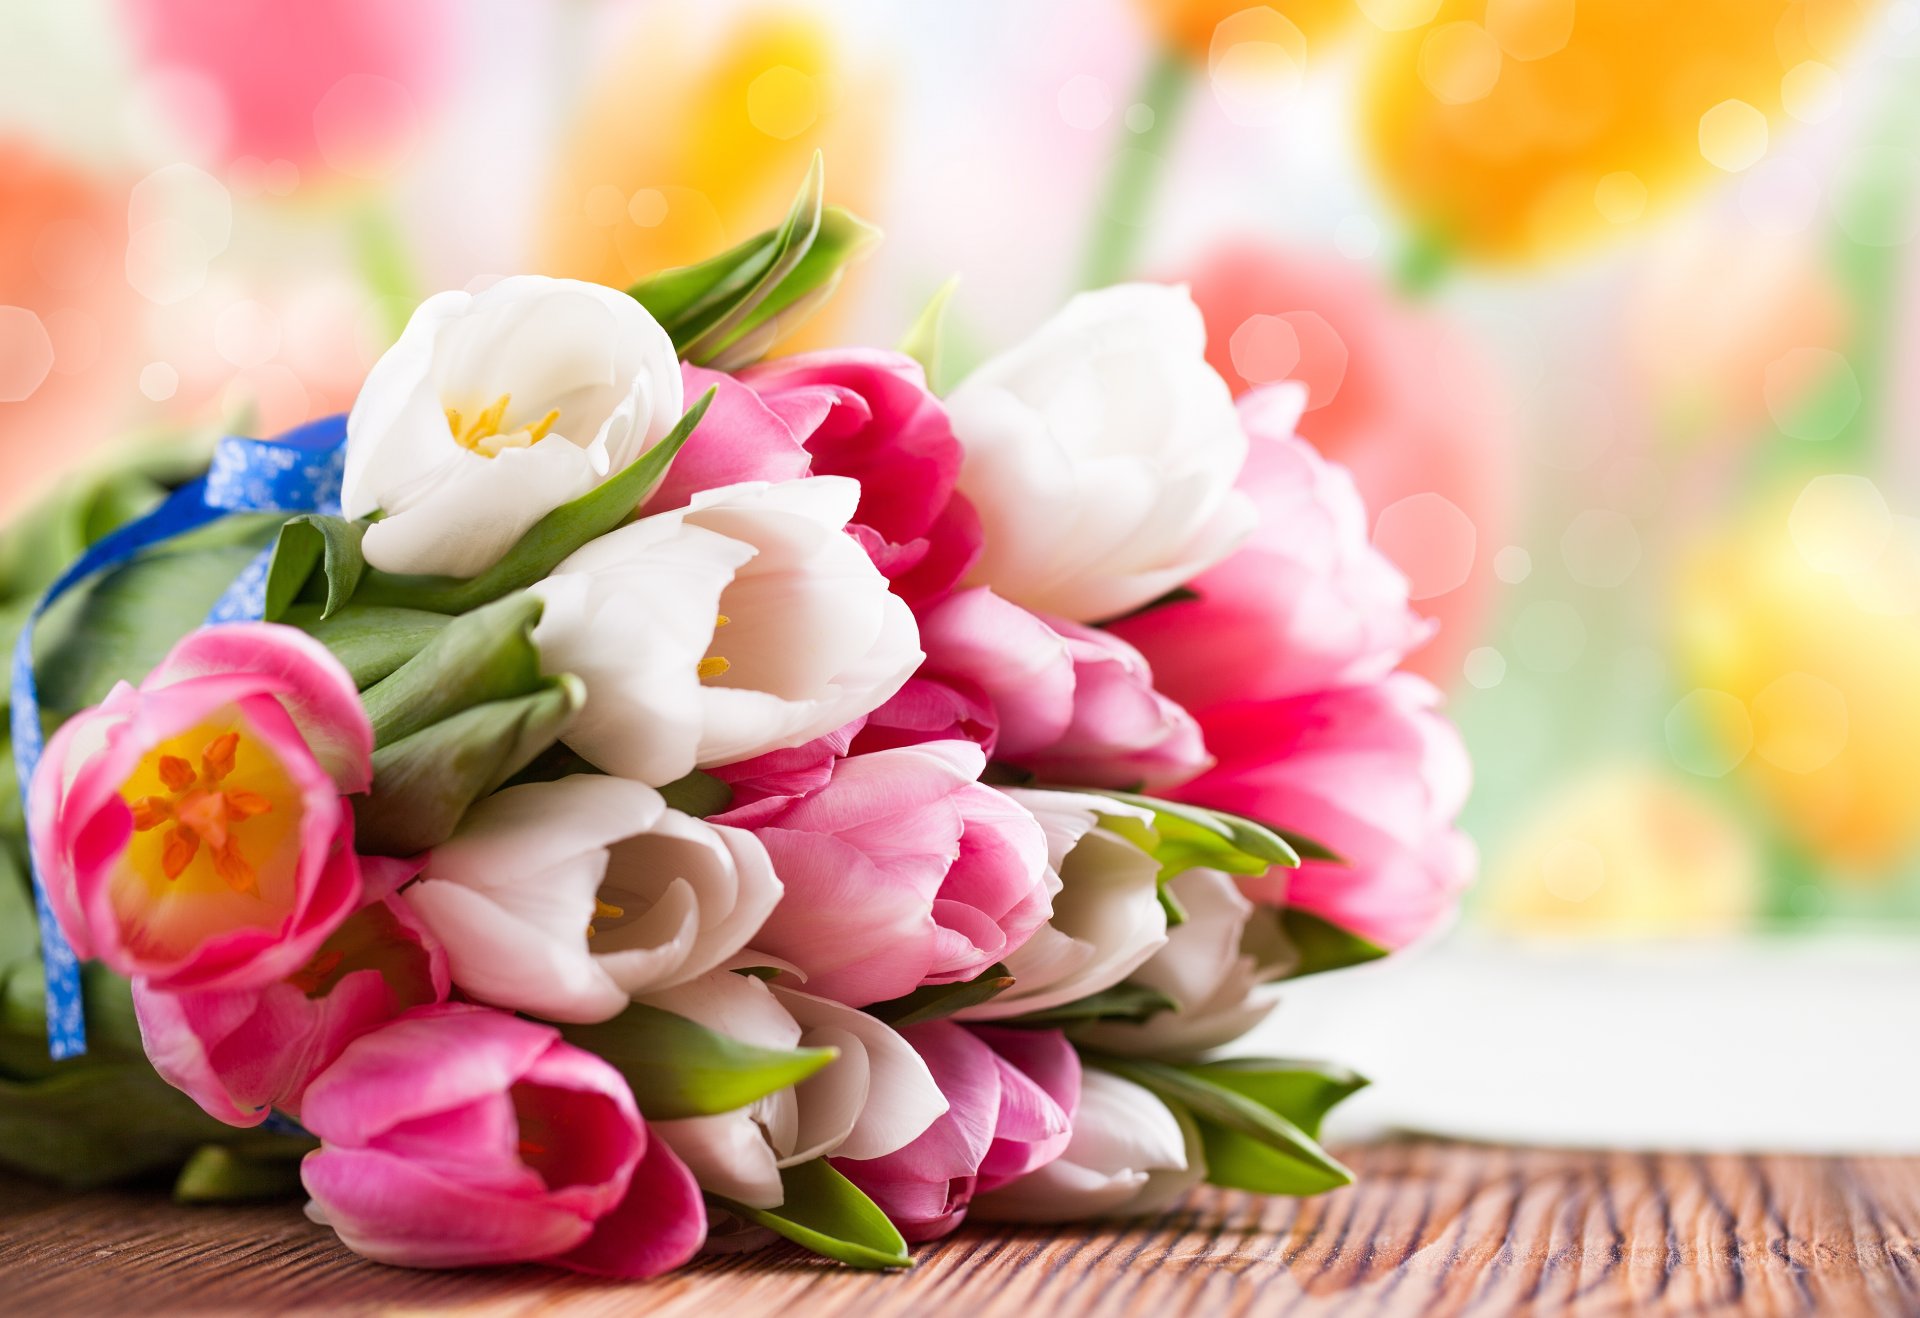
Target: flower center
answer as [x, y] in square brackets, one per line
[604, 911]
[487, 433]
[714, 665]
[197, 811]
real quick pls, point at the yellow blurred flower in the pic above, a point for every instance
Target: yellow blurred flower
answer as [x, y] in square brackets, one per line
[1801, 630]
[693, 140]
[1189, 25]
[1511, 130]
[1626, 851]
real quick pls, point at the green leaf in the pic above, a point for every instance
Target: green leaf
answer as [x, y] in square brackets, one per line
[926, 338]
[1193, 837]
[91, 1123]
[423, 784]
[1178, 595]
[370, 640]
[225, 1174]
[1248, 1146]
[679, 1068]
[1302, 1092]
[841, 239]
[1125, 1001]
[1308, 849]
[1323, 945]
[547, 543]
[482, 656]
[829, 1215]
[699, 794]
[932, 1002]
[312, 542]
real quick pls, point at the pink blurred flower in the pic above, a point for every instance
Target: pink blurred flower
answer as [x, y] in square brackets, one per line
[854, 412]
[902, 869]
[1398, 397]
[337, 80]
[1307, 604]
[1372, 773]
[1011, 1098]
[1072, 703]
[192, 831]
[458, 1135]
[241, 1053]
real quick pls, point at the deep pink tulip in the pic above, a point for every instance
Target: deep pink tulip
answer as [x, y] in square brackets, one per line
[241, 1053]
[192, 831]
[459, 1135]
[1371, 772]
[1011, 1097]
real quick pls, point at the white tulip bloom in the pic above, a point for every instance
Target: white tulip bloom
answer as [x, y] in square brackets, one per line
[747, 621]
[1130, 1155]
[566, 899]
[493, 409]
[1218, 967]
[1107, 918]
[876, 1097]
[1101, 453]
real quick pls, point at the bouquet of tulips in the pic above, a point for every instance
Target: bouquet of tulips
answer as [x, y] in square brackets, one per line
[618, 793]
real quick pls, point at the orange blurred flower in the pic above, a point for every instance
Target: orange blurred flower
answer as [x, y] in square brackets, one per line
[691, 142]
[1511, 130]
[1395, 395]
[1190, 24]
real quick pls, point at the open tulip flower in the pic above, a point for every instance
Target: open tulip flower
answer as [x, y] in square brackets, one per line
[828, 801]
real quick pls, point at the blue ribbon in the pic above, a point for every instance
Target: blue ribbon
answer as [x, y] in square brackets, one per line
[297, 473]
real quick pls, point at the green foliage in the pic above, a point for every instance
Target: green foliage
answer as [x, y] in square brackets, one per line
[679, 1068]
[932, 1002]
[1125, 1001]
[1324, 946]
[478, 658]
[829, 1215]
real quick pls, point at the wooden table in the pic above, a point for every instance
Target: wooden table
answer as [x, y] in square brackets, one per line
[1432, 1228]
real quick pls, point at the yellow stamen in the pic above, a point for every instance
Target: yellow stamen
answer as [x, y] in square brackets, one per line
[487, 433]
[720, 620]
[711, 666]
[604, 911]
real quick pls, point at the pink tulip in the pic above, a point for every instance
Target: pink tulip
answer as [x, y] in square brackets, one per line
[901, 870]
[1372, 773]
[742, 437]
[192, 831]
[1398, 396]
[931, 709]
[1073, 704]
[1306, 604]
[1011, 1097]
[458, 1135]
[240, 1053]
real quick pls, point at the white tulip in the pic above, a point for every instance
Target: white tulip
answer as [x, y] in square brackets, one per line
[1130, 1155]
[566, 899]
[1217, 967]
[1101, 453]
[876, 1097]
[746, 622]
[495, 408]
[1107, 918]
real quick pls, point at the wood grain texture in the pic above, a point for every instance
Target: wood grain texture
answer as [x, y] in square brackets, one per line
[1432, 1229]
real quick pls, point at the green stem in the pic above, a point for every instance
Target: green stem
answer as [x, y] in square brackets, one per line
[1118, 225]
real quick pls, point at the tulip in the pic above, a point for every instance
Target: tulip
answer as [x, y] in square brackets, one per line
[761, 92]
[742, 437]
[566, 899]
[495, 408]
[1107, 918]
[931, 709]
[1101, 453]
[1400, 399]
[743, 623]
[457, 1135]
[191, 831]
[875, 1097]
[1306, 605]
[1373, 774]
[1071, 704]
[1129, 1156]
[901, 870]
[1519, 135]
[1215, 968]
[1011, 1098]
[241, 1053]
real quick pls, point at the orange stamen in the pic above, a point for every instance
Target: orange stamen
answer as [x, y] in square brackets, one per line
[149, 812]
[181, 847]
[201, 816]
[176, 773]
[216, 761]
[236, 870]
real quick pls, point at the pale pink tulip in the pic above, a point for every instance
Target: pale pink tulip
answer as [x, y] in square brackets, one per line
[1011, 1097]
[1371, 772]
[458, 1135]
[192, 831]
[241, 1053]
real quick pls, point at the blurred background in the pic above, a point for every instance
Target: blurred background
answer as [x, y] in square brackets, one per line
[1605, 302]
